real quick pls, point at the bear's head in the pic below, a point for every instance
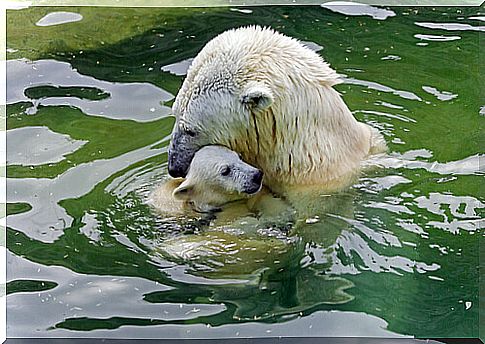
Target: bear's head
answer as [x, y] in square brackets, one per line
[214, 116]
[258, 93]
[217, 176]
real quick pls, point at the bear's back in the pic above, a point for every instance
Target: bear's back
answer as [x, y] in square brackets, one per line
[240, 54]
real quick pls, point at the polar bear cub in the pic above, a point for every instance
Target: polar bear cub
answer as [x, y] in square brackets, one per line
[216, 176]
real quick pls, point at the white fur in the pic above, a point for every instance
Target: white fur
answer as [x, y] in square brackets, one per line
[270, 99]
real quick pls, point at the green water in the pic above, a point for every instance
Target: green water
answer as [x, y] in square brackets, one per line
[88, 120]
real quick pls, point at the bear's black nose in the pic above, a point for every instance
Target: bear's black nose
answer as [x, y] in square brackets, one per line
[174, 168]
[175, 173]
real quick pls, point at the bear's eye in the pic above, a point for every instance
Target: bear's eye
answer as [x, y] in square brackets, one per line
[225, 171]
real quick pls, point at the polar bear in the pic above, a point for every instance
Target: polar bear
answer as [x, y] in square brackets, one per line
[270, 99]
[216, 176]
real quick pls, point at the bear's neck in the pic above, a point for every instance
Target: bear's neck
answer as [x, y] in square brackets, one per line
[321, 144]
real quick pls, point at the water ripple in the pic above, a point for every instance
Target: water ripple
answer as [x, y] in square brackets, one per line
[47, 219]
[451, 26]
[437, 38]
[472, 165]
[79, 295]
[379, 87]
[463, 211]
[481, 18]
[38, 145]
[137, 101]
[441, 95]
[386, 114]
[352, 242]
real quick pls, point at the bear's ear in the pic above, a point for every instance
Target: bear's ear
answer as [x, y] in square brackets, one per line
[257, 96]
[184, 191]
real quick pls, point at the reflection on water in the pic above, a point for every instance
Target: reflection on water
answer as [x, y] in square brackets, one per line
[439, 38]
[179, 68]
[441, 95]
[38, 145]
[356, 9]
[472, 165]
[57, 18]
[467, 219]
[452, 26]
[87, 134]
[136, 101]
[378, 87]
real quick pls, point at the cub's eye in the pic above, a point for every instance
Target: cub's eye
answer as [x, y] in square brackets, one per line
[225, 171]
[190, 132]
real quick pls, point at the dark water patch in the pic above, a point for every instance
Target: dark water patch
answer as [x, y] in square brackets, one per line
[29, 286]
[90, 93]
[141, 102]
[17, 208]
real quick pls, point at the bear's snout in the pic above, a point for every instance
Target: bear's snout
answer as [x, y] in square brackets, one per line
[175, 171]
[180, 154]
[255, 183]
[175, 168]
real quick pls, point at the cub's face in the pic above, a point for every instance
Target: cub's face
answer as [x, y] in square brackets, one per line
[217, 176]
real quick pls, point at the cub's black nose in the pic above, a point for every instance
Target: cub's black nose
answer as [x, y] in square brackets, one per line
[258, 177]
[255, 184]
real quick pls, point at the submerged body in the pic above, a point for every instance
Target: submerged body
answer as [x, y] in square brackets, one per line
[247, 213]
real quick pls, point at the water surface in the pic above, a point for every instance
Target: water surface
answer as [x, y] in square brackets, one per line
[396, 254]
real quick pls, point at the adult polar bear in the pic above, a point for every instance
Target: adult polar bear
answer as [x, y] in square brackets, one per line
[270, 99]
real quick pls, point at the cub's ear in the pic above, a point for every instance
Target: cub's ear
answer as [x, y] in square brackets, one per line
[184, 191]
[257, 96]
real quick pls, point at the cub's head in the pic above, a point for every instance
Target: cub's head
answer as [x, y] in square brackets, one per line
[217, 176]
